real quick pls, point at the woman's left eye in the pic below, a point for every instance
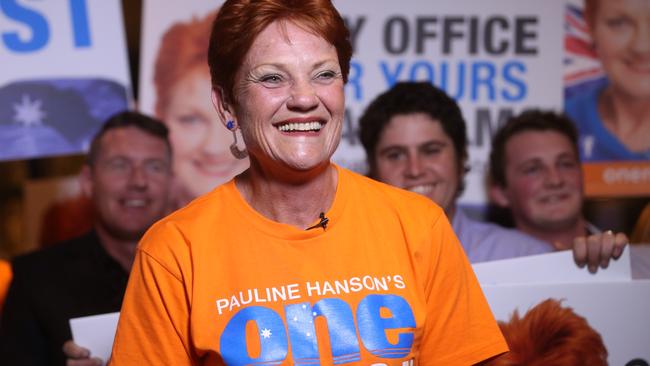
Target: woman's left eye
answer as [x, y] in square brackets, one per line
[326, 75]
[190, 119]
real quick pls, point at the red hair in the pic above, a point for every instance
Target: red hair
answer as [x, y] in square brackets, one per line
[183, 47]
[550, 334]
[591, 7]
[239, 22]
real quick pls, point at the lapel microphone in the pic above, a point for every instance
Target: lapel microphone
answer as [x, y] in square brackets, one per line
[322, 223]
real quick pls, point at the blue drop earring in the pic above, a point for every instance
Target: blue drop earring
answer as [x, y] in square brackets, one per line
[234, 149]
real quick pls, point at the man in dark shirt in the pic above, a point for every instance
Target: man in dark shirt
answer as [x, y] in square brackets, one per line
[127, 177]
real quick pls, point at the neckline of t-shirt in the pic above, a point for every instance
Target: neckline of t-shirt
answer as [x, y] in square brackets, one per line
[287, 232]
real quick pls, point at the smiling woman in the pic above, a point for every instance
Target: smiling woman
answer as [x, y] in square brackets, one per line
[202, 158]
[294, 225]
[613, 119]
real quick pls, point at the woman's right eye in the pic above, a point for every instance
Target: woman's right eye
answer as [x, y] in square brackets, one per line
[190, 119]
[618, 22]
[272, 79]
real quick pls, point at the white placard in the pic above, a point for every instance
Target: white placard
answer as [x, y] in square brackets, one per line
[96, 333]
[557, 267]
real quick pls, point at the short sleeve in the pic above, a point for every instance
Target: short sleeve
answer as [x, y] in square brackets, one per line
[460, 329]
[154, 322]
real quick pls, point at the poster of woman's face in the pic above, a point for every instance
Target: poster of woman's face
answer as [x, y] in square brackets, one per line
[607, 93]
[175, 86]
[609, 99]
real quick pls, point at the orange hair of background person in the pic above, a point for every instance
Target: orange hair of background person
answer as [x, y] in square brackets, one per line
[590, 9]
[182, 48]
[550, 334]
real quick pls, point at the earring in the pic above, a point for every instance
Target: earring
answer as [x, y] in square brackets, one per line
[234, 149]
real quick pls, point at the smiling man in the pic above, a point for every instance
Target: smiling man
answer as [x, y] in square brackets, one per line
[415, 138]
[127, 176]
[535, 171]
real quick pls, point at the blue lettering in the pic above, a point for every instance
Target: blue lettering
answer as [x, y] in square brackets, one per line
[510, 71]
[483, 74]
[428, 71]
[79, 14]
[272, 335]
[372, 326]
[445, 76]
[34, 20]
[384, 324]
[354, 80]
[391, 77]
[340, 323]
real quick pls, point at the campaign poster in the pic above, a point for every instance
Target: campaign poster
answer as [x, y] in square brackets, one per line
[607, 93]
[495, 58]
[64, 71]
[175, 87]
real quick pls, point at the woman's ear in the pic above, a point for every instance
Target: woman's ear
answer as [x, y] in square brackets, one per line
[223, 108]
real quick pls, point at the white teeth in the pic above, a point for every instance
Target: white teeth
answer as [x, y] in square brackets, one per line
[307, 126]
[134, 203]
[422, 189]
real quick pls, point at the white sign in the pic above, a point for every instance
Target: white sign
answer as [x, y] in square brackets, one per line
[96, 333]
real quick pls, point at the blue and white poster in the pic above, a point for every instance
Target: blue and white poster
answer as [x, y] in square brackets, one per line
[64, 70]
[607, 94]
[495, 58]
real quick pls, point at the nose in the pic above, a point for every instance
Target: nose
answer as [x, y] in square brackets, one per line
[138, 178]
[413, 166]
[303, 96]
[553, 177]
[641, 42]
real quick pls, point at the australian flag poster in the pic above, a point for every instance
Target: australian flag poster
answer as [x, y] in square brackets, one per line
[63, 71]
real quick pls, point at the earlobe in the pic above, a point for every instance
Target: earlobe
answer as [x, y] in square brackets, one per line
[498, 195]
[223, 110]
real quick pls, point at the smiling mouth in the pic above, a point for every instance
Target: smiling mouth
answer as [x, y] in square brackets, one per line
[556, 198]
[314, 126]
[423, 189]
[134, 202]
[639, 66]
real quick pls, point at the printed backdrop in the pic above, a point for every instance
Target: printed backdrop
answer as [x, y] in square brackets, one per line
[496, 58]
[64, 70]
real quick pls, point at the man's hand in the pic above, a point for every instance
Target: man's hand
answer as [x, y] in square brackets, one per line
[596, 250]
[79, 356]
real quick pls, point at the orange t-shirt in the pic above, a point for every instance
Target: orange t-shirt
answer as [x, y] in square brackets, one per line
[385, 283]
[5, 280]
